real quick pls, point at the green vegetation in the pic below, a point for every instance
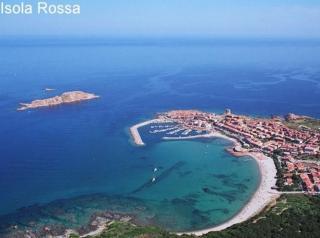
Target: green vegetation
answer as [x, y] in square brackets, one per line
[292, 216]
[73, 236]
[297, 184]
[126, 230]
[280, 170]
[306, 123]
[309, 157]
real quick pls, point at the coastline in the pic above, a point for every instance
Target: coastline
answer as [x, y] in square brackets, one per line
[92, 233]
[262, 197]
[209, 135]
[64, 98]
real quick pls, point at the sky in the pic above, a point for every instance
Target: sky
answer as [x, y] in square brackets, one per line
[192, 18]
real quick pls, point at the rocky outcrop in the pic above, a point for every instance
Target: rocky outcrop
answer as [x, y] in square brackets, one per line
[294, 117]
[65, 98]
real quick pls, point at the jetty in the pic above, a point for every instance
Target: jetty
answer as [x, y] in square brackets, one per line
[259, 138]
[134, 130]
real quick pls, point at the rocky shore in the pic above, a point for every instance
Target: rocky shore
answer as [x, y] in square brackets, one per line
[97, 224]
[65, 98]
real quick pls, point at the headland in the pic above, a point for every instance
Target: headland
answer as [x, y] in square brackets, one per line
[65, 98]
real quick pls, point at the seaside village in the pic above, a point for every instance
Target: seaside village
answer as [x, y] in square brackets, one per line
[288, 147]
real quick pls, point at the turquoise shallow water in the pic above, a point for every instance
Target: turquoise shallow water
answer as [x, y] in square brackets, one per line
[198, 184]
[60, 165]
[206, 185]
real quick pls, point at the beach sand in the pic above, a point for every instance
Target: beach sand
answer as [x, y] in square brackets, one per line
[263, 196]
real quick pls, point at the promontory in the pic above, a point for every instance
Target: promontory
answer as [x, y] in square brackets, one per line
[65, 98]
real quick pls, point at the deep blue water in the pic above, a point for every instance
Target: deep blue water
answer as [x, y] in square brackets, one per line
[85, 149]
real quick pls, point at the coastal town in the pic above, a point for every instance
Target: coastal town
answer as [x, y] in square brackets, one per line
[295, 151]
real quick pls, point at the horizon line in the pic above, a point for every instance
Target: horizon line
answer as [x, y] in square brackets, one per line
[159, 37]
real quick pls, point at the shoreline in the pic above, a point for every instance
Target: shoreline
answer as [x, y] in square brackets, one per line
[263, 195]
[209, 135]
[261, 198]
[64, 98]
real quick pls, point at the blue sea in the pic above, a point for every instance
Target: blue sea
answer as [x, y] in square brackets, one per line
[61, 165]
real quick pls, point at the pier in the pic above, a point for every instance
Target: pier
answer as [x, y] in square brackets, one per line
[134, 130]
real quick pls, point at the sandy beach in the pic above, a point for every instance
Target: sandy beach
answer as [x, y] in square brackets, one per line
[263, 196]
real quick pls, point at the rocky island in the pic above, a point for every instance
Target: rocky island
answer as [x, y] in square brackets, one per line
[65, 98]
